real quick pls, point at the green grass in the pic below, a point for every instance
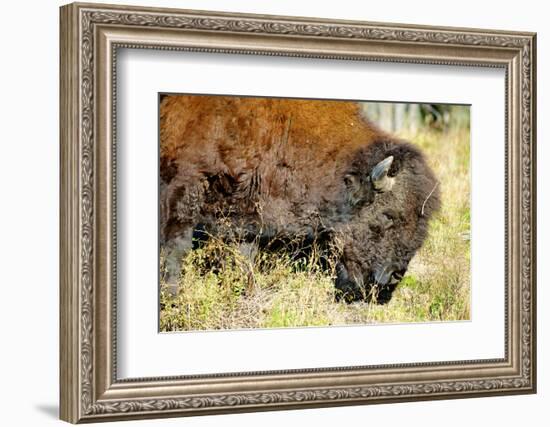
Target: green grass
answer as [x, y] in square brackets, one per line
[219, 288]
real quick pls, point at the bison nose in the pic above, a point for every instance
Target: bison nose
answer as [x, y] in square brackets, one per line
[396, 277]
[389, 273]
[383, 275]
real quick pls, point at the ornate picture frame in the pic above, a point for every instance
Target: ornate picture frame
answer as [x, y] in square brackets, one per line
[90, 37]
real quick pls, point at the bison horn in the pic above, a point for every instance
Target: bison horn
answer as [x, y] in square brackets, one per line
[379, 175]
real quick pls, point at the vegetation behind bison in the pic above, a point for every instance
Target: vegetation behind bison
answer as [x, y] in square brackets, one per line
[286, 170]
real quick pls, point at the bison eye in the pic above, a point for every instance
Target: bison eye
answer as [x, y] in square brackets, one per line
[387, 220]
[352, 181]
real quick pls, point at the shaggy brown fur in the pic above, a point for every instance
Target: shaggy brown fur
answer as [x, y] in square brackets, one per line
[292, 169]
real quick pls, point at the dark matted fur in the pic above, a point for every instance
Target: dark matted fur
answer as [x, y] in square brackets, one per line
[296, 170]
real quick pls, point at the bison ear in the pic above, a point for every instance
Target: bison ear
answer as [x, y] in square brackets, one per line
[379, 175]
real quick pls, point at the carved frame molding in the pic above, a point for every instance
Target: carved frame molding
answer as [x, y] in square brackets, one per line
[90, 37]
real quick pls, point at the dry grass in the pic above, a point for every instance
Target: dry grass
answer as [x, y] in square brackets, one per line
[220, 288]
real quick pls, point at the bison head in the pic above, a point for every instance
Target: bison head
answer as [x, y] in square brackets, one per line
[391, 194]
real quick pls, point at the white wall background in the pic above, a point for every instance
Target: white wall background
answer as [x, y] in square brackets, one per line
[29, 171]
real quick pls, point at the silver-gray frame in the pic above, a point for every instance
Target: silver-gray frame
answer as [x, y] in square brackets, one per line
[90, 37]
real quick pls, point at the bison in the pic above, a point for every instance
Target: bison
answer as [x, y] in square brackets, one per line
[295, 170]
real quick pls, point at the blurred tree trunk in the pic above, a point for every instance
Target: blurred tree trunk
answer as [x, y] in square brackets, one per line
[409, 118]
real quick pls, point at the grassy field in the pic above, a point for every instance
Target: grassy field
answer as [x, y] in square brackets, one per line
[272, 291]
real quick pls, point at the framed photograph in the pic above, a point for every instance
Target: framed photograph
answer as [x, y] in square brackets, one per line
[266, 212]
